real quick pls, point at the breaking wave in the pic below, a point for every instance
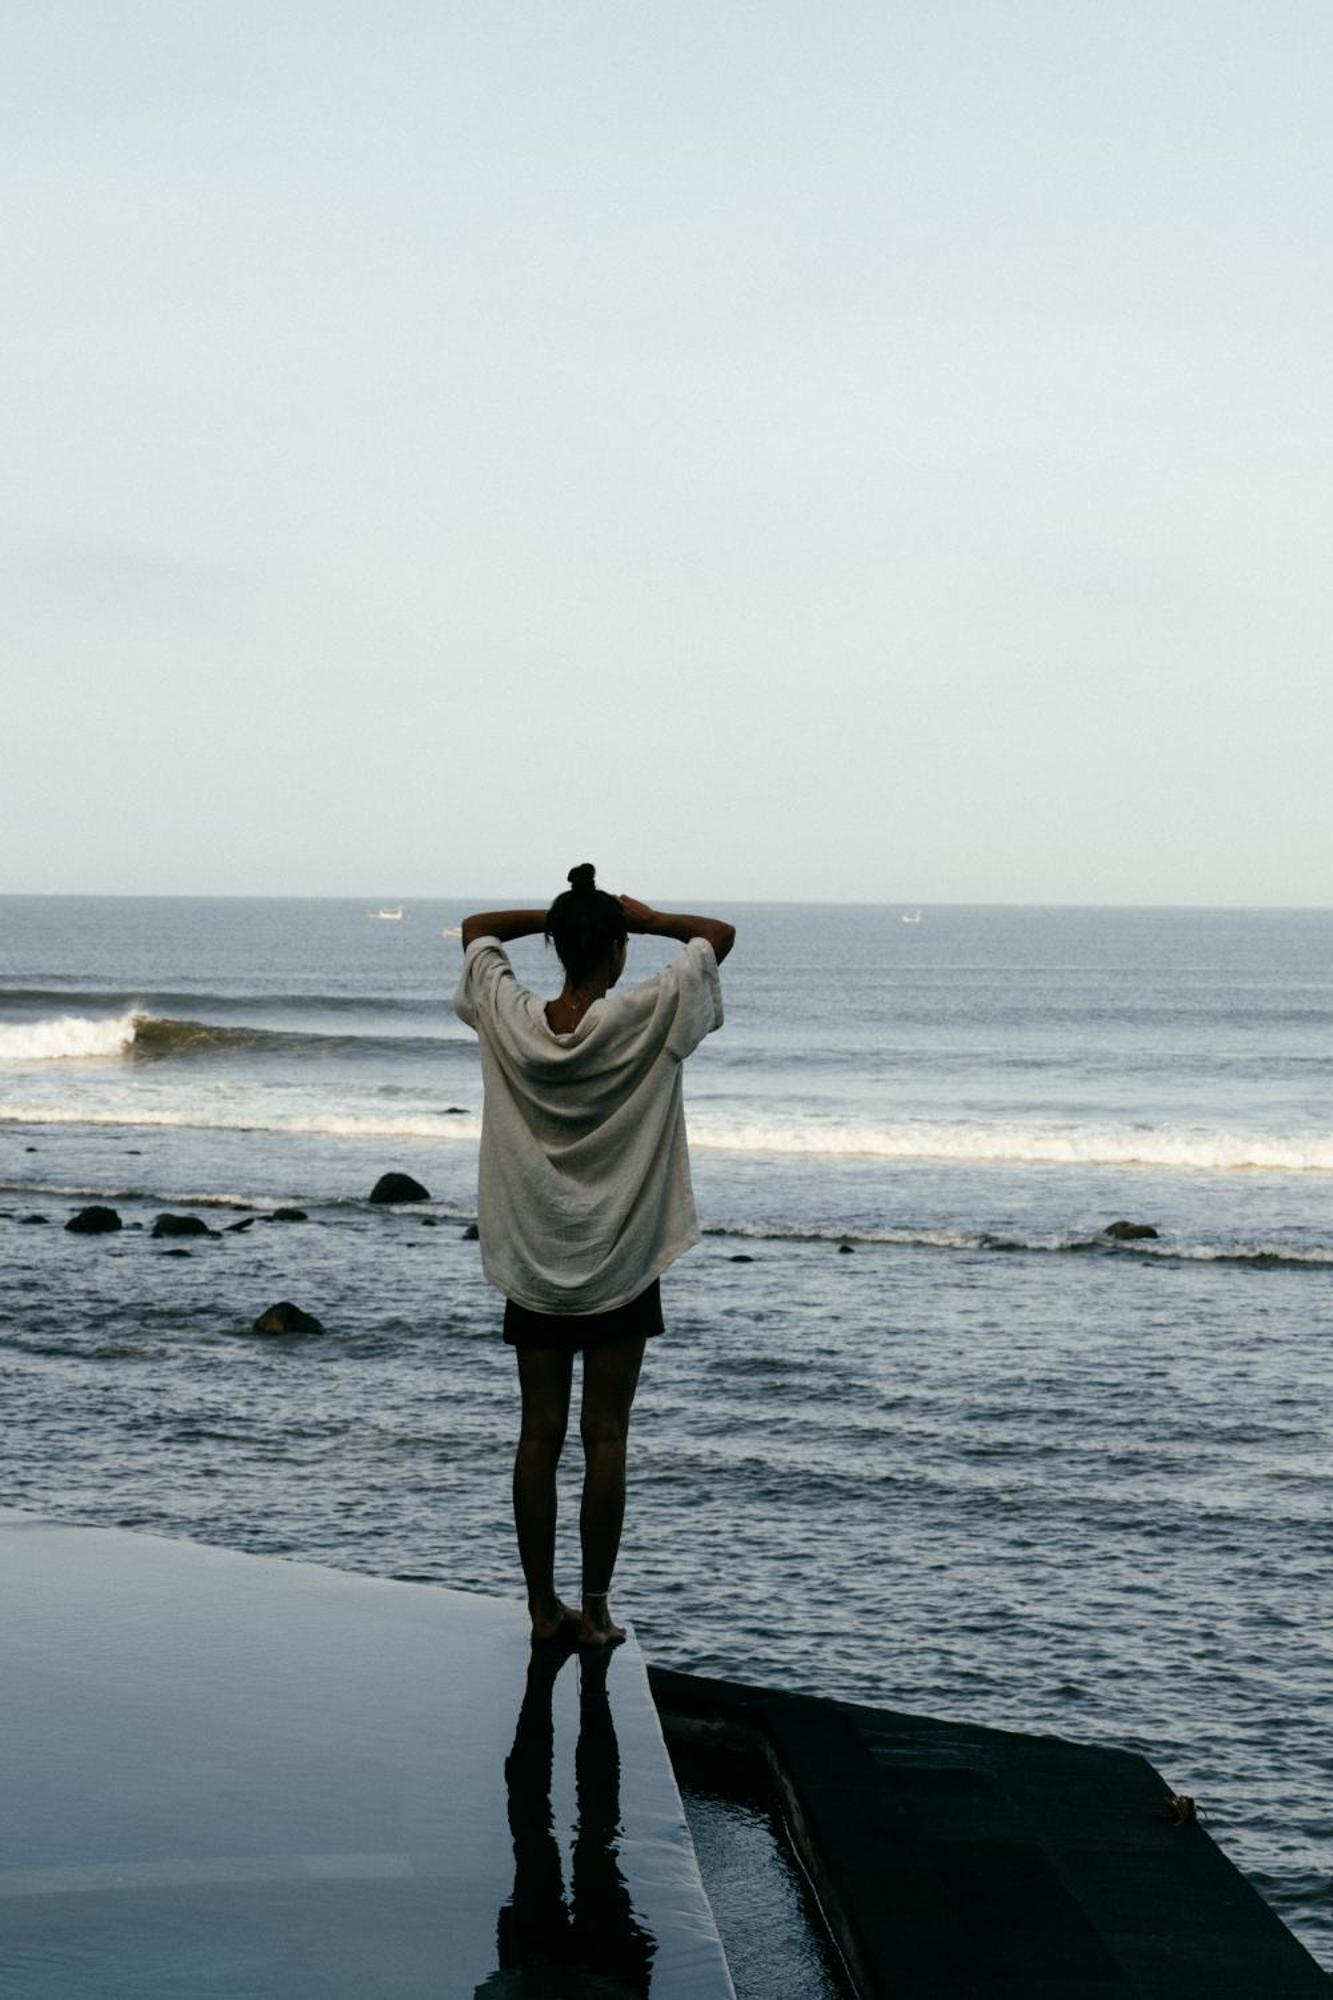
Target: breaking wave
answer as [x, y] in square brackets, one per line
[67, 1038]
[157, 1038]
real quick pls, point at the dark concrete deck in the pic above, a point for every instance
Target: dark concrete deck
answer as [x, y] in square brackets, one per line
[956, 1863]
[236, 1776]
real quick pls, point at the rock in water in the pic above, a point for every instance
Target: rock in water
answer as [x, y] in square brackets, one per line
[290, 1215]
[471, 1234]
[398, 1187]
[235, 1228]
[1129, 1232]
[34, 1218]
[182, 1225]
[287, 1318]
[94, 1221]
[846, 1249]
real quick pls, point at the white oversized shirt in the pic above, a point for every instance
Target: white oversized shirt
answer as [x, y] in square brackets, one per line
[584, 1192]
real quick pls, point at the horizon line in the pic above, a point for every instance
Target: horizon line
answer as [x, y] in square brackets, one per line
[494, 900]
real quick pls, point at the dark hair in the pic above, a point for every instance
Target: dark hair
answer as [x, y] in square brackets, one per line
[584, 924]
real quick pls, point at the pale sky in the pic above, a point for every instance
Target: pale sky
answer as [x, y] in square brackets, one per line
[857, 451]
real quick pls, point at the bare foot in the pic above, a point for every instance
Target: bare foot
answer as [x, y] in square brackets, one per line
[595, 1627]
[556, 1620]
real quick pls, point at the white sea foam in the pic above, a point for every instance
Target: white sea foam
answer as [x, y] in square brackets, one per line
[425, 1125]
[166, 1197]
[900, 1238]
[1024, 1145]
[1038, 1242]
[1183, 1150]
[1241, 1253]
[66, 1038]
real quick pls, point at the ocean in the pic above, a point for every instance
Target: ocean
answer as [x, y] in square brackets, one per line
[920, 1433]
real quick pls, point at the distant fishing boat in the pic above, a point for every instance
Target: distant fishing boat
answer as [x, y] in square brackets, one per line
[452, 930]
[910, 917]
[389, 916]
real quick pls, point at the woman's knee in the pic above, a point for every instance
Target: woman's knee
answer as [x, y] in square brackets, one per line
[543, 1430]
[545, 1379]
[610, 1376]
[603, 1430]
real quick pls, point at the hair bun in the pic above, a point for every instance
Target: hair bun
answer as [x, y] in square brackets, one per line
[583, 879]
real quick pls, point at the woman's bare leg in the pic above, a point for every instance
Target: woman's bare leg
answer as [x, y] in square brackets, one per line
[610, 1377]
[544, 1378]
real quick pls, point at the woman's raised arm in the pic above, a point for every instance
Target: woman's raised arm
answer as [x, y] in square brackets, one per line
[503, 924]
[660, 923]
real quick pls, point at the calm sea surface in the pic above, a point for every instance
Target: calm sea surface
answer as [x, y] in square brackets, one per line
[990, 1464]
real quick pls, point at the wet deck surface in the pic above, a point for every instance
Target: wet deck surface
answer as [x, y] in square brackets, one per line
[237, 1776]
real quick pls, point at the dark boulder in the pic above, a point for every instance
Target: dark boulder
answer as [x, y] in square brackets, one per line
[182, 1225]
[290, 1215]
[846, 1249]
[94, 1221]
[471, 1234]
[235, 1228]
[740, 1257]
[287, 1318]
[34, 1218]
[398, 1187]
[178, 1252]
[1129, 1232]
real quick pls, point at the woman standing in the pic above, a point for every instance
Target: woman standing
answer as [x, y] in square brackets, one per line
[584, 1194]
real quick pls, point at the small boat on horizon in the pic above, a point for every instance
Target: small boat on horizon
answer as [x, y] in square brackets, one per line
[394, 916]
[910, 917]
[452, 930]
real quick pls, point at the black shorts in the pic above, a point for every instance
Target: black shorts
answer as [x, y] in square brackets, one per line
[569, 1333]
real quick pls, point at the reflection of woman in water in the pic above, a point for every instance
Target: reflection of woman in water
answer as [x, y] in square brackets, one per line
[591, 1943]
[584, 1194]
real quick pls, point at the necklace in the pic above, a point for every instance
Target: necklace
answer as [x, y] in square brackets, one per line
[575, 1006]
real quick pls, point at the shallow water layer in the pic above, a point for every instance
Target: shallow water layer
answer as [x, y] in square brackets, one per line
[986, 1463]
